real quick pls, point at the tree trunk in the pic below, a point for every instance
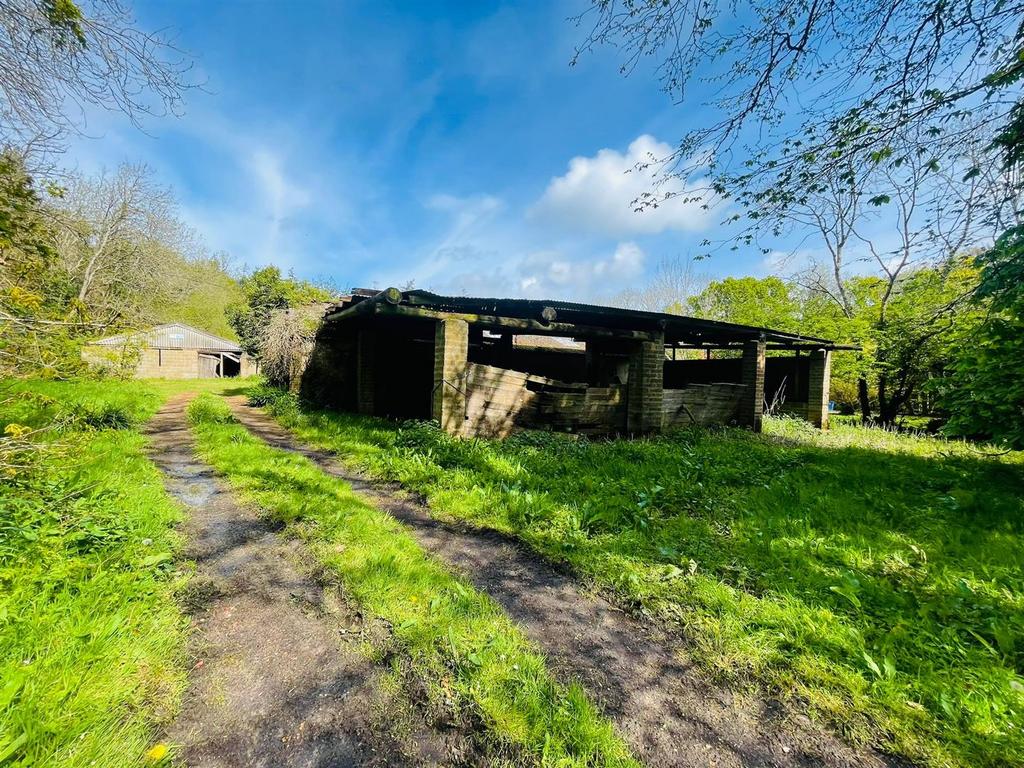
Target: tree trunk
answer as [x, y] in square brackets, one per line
[889, 408]
[865, 399]
[885, 406]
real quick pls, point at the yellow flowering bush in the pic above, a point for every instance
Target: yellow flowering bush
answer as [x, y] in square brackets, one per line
[16, 431]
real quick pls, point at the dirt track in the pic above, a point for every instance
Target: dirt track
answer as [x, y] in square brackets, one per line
[662, 706]
[278, 677]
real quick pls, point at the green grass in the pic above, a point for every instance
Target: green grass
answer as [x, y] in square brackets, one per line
[459, 640]
[875, 579]
[134, 400]
[91, 638]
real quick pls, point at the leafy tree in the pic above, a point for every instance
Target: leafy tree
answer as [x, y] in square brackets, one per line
[203, 289]
[100, 254]
[766, 302]
[24, 240]
[264, 292]
[927, 315]
[985, 394]
[926, 323]
[32, 334]
[673, 282]
[119, 242]
[928, 220]
[833, 115]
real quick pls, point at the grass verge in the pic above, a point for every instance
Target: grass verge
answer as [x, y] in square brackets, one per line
[91, 639]
[459, 640]
[875, 578]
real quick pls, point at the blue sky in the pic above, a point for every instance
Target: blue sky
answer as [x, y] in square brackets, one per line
[446, 143]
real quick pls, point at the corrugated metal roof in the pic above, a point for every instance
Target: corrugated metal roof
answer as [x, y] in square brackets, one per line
[171, 336]
[676, 328]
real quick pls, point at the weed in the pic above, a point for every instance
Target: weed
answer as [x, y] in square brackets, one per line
[209, 410]
[93, 415]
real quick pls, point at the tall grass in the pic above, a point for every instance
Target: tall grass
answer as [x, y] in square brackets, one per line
[91, 639]
[875, 578]
[459, 640]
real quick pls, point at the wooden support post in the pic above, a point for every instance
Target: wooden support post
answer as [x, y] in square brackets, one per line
[818, 376]
[365, 374]
[751, 409]
[451, 358]
[645, 393]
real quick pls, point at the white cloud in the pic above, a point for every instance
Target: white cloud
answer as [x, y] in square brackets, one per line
[482, 251]
[465, 241]
[626, 262]
[281, 195]
[597, 194]
[542, 274]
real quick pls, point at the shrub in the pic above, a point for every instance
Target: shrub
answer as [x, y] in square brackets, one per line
[95, 415]
[263, 394]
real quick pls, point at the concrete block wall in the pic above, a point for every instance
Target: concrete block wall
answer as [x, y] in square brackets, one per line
[172, 364]
[159, 363]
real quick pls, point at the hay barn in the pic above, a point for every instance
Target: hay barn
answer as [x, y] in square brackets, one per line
[468, 364]
[172, 351]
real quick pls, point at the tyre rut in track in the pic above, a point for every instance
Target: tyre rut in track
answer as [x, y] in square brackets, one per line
[279, 677]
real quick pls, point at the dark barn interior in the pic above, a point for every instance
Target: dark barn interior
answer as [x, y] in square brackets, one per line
[475, 366]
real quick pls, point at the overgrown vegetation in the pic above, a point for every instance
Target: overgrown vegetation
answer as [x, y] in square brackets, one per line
[265, 293]
[459, 639]
[910, 329]
[875, 576]
[100, 254]
[91, 637]
[986, 391]
[92, 256]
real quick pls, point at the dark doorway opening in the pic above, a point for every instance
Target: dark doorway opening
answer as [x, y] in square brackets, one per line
[230, 367]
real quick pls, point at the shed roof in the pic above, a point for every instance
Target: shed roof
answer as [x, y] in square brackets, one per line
[171, 336]
[564, 318]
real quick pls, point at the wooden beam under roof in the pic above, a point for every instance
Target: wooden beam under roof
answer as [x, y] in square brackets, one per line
[516, 324]
[795, 345]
